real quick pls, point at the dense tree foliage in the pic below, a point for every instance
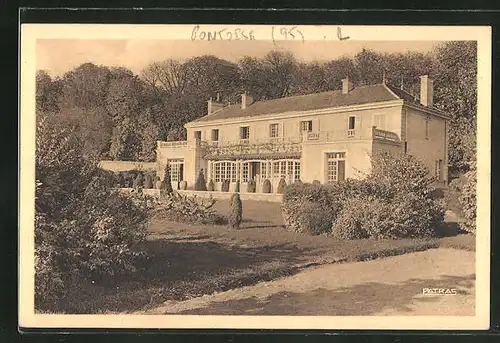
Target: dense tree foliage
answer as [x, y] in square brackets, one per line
[121, 115]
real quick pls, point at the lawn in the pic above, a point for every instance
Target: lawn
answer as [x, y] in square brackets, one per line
[186, 261]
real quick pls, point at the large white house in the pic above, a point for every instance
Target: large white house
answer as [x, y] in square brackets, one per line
[325, 136]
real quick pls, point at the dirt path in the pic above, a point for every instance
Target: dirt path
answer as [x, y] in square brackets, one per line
[389, 286]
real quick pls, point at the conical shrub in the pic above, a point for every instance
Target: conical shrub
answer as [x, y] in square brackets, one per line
[281, 186]
[236, 211]
[211, 186]
[166, 185]
[201, 184]
[266, 186]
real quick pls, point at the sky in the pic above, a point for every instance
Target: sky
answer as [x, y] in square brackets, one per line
[58, 56]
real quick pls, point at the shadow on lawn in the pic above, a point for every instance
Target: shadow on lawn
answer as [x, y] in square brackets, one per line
[358, 300]
[181, 269]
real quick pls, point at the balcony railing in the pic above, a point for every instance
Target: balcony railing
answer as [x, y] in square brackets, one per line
[351, 134]
[173, 144]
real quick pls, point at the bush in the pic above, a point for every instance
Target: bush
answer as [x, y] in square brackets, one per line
[148, 181]
[316, 182]
[313, 219]
[266, 186]
[191, 210]
[281, 186]
[397, 203]
[200, 184]
[211, 186]
[399, 174]
[467, 201]
[236, 211]
[404, 217]
[225, 186]
[166, 185]
[297, 195]
[84, 230]
[251, 187]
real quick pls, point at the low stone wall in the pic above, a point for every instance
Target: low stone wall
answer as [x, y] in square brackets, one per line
[218, 195]
[119, 166]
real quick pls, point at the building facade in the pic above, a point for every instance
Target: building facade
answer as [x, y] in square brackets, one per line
[325, 136]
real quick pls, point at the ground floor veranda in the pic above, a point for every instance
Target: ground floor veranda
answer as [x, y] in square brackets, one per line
[245, 170]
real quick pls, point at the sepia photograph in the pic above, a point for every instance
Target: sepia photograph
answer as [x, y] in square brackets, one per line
[222, 176]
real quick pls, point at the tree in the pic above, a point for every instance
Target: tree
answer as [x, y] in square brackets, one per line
[85, 86]
[209, 76]
[310, 78]
[124, 141]
[236, 211]
[169, 75]
[370, 66]
[254, 77]
[456, 94]
[84, 230]
[123, 98]
[48, 92]
[281, 68]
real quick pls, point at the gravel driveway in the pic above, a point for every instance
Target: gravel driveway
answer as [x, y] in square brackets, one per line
[389, 286]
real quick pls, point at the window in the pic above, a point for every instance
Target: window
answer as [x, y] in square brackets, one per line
[233, 172]
[351, 126]
[352, 122]
[290, 169]
[335, 167]
[306, 126]
[297, 170]
[217, 174]
[245, 132]
[263, 170]
[273, 130]
[379, 121]
[287, 169]
[215, 135]
[283, 169]
[276, 168]
[176, 169]
[245, 172]
[224, 171]
[197, 135]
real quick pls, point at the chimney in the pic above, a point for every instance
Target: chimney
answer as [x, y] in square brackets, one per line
[246, 100]
[426, 91]
[214, 106]
[209, 106]
[347, 86]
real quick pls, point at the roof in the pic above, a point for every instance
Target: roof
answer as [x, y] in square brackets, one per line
[357, 96]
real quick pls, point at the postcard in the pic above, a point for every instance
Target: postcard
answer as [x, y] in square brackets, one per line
[254, 176]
